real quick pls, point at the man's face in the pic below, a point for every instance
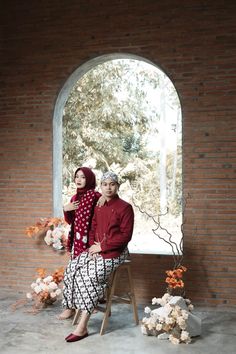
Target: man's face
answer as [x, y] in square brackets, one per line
[109, 188]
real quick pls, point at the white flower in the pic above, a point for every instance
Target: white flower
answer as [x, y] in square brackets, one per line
[48, 238]
[188, 340]
[176, 312]
[159, 327]
[166, 297]
[48, 279]
[187, 301]
[150, 323]
[181, 322]
[184, 336]
[58, 292]
[168, 307]
[37, 289]
[150, 326]
[33, 285]
[66, 230]
[154, 301]
[173, 339]
[38, 280]
[29, 296]
[53, 285]
[57, 233]
[53, 295]
[185, 314]
[170, 320]
[44, 287]
[147, 309]
[58, 245]
[162, 302]
[143, 330]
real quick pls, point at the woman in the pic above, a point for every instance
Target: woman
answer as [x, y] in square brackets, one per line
[87, 275]
[78, 213]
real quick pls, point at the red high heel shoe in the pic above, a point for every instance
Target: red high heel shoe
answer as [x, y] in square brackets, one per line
[68, 336]
[74, 338]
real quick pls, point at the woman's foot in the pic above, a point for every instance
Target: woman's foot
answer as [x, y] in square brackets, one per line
[67, 313]
[74, 338]
[80, 332]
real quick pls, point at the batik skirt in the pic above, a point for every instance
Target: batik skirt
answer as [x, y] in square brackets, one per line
[85, 280]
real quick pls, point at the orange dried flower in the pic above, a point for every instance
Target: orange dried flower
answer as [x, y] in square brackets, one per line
[43, 224]
[41, 272]
[58, 275]
[55, 221]
[174, 279]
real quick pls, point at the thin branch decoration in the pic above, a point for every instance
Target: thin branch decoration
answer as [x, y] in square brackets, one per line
[177, 250]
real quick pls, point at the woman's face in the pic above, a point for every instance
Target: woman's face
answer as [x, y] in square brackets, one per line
[109, 188]
[80, 179]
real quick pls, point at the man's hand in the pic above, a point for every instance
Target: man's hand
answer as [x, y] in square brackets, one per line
[95, 248]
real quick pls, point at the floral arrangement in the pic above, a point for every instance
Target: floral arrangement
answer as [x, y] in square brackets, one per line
[43, 224]
[170, 321]
[45, 289]
[54, 230]
[173, 318]
[175, 278]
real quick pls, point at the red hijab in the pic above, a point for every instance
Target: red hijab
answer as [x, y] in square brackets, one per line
[84, 213]
[90, 180]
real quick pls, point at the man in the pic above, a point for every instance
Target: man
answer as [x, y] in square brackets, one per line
[112, 224]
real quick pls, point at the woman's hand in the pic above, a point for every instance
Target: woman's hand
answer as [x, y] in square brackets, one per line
[101, 201]
[95, 249]
[71, 206]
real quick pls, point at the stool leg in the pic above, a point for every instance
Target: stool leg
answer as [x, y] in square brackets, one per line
[136, 319]
[76, 317]
[108, 305]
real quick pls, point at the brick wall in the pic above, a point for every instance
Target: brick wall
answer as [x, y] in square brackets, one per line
[194, 43]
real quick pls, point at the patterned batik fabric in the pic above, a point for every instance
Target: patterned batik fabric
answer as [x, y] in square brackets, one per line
[85, 280]
[83, 216]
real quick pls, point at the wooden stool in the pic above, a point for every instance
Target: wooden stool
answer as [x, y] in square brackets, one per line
[110, 296]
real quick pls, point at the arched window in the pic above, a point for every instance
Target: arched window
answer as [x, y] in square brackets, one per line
[121, 112]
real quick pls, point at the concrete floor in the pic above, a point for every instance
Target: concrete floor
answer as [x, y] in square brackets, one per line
[23, 333]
